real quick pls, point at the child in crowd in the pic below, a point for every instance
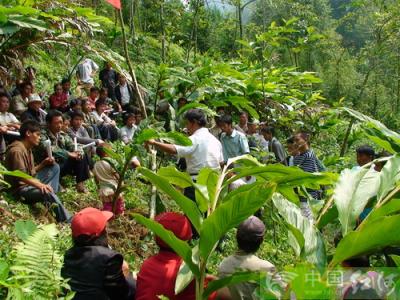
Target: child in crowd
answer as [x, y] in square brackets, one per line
[127, 132]
[292, 151]
[107, 179]
[89, 121]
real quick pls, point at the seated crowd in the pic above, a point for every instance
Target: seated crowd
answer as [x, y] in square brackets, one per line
[51, 138]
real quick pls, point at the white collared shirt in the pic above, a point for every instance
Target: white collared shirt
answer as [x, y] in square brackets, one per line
[7, 118]
[205, 151]
[125, 97]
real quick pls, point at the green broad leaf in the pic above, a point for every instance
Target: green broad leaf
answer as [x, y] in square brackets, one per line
[145, 135]
[180, 247]
[377, 131]
[390, 208]
[284, 176]
[28, 22]
[183, 180]
[395, 258]
[18, 10]
[175, 177]
[114, 155]
[298, 235]
[175, 137]
[209, 178]
[16, 173]
[330, 216]
[288, 193]
[238, 277]
[313, 250]
[202, 199]
[185, 276]
[373, 236]
[188, 207]
[183, 279]
[8, 29]
[205, 108]
[307, 283]
[389, 177]
[352, 193]
[24, 229]
[4, 270]
[237, 207]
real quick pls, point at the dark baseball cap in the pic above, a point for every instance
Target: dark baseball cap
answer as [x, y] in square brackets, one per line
[252, 228]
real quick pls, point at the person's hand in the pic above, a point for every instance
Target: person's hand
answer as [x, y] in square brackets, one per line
[113, 123]
[3, 129]
[135, 163]
[149, 143]
[48, 161]
[125, 268]
[100, 142]
[119, 107]
[75, 155]
[44, 188]
[210, 277]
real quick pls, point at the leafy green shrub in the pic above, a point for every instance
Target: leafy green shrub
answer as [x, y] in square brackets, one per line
[35, 269]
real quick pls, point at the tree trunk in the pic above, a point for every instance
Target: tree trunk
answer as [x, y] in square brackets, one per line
[240, 21]
[162, 31]
[131, 71]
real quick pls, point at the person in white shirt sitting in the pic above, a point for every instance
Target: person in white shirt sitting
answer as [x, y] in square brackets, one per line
[126, 133]
[107, 127]
[9, 123]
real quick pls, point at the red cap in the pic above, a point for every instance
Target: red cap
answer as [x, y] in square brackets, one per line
[177, 223]
[90, 221]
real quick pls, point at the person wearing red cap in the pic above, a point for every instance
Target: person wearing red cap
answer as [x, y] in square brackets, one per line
[95, 270]
[158, 273]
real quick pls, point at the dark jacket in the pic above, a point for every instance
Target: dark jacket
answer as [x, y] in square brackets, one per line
[132, 100]
[30, 114]
[96, 273]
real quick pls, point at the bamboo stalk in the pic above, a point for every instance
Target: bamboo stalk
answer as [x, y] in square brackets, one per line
[128, 61]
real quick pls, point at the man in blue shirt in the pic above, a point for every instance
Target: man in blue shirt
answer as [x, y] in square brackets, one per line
[234, 143]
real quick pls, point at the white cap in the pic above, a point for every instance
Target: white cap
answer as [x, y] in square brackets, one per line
[34, 98]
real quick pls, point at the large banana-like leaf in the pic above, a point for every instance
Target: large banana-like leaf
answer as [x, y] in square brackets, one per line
[183, 180]
[188, 207]
[236, 208]
[284, 176]
[311, 246]
[180, 247]
[235, 278]
[389, 176]
[173, 137]
[375, 235]
[175, 177]
[352, 193]
[378, 132]
[390, 208]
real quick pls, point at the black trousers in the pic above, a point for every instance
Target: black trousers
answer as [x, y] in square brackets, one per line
[77, 168]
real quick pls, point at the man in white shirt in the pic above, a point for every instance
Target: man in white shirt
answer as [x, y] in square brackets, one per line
[85, 72]
[205, 151]
[124, 93]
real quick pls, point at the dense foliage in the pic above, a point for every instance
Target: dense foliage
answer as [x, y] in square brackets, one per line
[293, 64]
